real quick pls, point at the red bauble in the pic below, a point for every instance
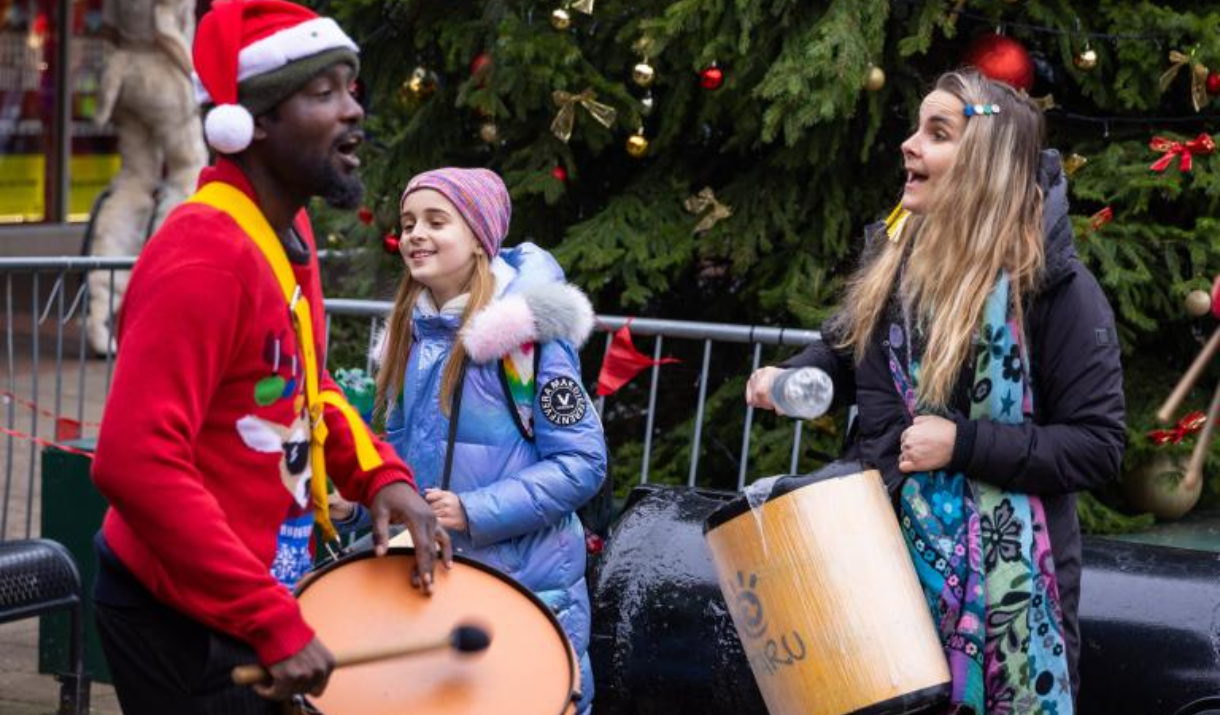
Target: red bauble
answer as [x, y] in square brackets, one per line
[365, 214]
[390, 244]
[480, 64]
[1213, 83]
[560, 174]
[711, 78]
[1001, 58]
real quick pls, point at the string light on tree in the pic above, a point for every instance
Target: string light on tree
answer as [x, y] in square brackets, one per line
[711, 78]
[561, 19]
[874, 78]
[560, 174]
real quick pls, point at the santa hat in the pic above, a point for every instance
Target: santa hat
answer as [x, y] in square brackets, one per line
[250, 55]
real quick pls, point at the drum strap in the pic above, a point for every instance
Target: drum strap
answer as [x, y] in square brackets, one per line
[245, 213]
[455, 412]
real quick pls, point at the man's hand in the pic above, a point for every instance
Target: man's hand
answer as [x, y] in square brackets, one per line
[758, 389]
[399, 503]
[448, 508]
[927, 444]
[305, 672]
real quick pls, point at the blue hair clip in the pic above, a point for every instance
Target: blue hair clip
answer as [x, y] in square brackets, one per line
[984, 109]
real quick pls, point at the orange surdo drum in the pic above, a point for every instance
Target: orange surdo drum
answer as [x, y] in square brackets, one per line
[362, 602]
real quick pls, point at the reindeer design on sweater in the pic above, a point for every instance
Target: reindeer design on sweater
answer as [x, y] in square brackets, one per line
[292, 558]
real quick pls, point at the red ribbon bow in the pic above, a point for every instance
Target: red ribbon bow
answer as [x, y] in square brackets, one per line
[1101, 218]
[1202, 144]
[1189, 424]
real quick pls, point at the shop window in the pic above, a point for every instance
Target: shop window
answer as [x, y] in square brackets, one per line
[95, 157]
[30, 33]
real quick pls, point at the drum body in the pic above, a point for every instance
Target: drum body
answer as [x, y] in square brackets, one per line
[363, 601]
[824, 597]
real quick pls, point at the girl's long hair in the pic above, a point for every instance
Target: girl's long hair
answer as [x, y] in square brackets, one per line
[986, 216]
[481, 287]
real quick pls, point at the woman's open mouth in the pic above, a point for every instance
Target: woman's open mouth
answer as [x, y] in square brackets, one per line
[914, 178]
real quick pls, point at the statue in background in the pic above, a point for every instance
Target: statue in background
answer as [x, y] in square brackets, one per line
[146, 88]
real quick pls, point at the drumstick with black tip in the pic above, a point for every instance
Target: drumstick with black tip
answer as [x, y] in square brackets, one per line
[465, 639]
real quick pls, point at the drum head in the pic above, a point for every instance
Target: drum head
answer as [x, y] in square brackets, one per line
[364, 601]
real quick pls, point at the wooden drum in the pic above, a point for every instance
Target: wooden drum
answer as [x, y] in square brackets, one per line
[362, 601]
[825, 599]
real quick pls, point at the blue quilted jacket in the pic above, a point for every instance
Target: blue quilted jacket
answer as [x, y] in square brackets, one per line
[520, 493]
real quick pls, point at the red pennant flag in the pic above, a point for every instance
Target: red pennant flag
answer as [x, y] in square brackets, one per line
[623, 362]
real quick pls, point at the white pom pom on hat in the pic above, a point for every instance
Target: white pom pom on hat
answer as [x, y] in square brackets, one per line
[229, 128]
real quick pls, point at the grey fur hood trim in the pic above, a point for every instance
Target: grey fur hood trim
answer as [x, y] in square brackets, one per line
[539, 313]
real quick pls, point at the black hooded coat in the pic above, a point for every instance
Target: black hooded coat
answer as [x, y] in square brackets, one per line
[1077, 435]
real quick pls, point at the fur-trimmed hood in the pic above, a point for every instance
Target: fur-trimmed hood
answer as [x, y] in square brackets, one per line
[533, 303]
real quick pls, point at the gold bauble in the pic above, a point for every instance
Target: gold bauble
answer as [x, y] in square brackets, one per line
[643, 74]
[419, 86]
[1198, 303]
[1086, 61]
[489, 132]
[637, 144]
[1159, 486]
[561, 19]
[874, 80]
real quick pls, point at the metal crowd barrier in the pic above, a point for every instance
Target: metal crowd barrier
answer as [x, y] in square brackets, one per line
[54, 389]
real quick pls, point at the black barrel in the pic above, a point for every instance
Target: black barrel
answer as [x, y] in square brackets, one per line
[662, 641]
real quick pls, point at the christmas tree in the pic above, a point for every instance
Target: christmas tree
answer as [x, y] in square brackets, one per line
[713, 160]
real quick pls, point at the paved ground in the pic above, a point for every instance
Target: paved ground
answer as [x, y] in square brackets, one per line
[23, 691]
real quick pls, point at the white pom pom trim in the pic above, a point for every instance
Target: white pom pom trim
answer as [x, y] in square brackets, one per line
[229, 128]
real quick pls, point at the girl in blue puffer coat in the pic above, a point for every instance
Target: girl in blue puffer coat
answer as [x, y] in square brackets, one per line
[481, 379]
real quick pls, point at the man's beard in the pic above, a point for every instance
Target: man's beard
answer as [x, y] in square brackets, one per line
[341, 191]
[338, 189]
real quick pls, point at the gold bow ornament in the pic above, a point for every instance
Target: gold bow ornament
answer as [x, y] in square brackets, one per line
[566, 118]
[1198, 77]
[706, 203]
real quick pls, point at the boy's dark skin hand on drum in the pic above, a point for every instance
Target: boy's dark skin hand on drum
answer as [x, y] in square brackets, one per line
[294, 143]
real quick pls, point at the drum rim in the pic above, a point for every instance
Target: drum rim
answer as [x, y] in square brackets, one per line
[786, 484]
[573, 665]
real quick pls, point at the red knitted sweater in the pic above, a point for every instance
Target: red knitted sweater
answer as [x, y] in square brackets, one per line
[203, 451]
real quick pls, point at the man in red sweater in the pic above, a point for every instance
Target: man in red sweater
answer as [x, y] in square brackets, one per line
[223, 423]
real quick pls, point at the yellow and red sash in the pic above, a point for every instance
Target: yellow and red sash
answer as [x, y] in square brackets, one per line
[238, 206]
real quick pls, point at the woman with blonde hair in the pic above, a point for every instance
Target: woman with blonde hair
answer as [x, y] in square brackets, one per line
[983, 360]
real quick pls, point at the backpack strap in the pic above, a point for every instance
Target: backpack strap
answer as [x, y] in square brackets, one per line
[518, 372]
